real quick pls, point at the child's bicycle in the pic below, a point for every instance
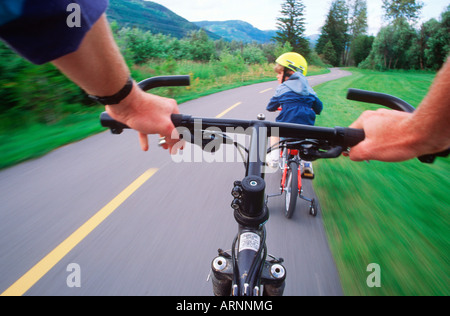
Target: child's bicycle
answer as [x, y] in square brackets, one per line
[293, 169]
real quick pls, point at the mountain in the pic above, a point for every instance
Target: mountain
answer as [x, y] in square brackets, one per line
[313, 39]
[150, 16]
[237, 30]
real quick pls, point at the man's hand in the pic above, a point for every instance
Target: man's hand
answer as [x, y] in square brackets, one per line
[389, 137]
[147, 114]
[393, 136]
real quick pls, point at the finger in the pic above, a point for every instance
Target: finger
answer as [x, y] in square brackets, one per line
[176, 110]
[178, 146]
[359, 152]
[143, 140]
[173, 137]
[359, 123]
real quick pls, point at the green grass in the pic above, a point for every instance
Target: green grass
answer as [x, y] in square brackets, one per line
[392, 214]
[39, 139]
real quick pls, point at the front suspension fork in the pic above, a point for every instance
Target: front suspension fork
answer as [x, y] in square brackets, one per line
[273, 278]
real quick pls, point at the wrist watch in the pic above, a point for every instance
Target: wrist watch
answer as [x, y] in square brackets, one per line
[116, 98]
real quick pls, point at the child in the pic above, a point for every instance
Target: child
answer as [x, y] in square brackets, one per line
[298, 101]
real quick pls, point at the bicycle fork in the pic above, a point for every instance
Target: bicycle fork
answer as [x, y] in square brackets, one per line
[272, 277]
[299, 182]
[242, 272]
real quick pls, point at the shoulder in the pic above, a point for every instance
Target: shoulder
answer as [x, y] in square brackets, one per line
[282, 89]
[58, 27]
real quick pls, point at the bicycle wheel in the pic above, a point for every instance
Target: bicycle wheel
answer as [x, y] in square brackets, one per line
[291, 189]
[313, 208]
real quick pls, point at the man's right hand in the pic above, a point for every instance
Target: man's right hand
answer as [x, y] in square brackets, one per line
[147, 114]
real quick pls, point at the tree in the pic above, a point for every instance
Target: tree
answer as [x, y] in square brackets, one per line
[201, 47]
[395, 47]
[358, 18]
[358, 50]
[329, 54]
[291, 26]
[335, 30]
[437, 41]
[400, 46]
[407, 9]
[253, 54]
[361, 47]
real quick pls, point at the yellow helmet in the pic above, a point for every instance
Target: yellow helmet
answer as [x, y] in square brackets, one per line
[294, 62]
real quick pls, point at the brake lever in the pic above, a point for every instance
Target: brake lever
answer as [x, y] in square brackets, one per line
[313, 154]
[204, 142]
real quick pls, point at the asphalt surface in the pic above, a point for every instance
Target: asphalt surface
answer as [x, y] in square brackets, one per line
[161, 237]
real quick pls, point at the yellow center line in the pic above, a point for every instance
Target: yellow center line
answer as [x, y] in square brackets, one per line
[30, 278]
[228, 110]
[267, 90]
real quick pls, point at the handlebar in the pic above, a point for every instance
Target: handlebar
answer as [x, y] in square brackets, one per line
[338, 136]
[165, 81]
[392, 103]
[147, 84]
[381, 99]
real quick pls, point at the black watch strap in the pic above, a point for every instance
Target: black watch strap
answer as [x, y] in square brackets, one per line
[118, 97]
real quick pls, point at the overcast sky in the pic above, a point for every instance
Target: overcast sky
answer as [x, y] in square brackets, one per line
[263, 13]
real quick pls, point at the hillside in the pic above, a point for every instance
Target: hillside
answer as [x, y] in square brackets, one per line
[150, 16]
[237, 30]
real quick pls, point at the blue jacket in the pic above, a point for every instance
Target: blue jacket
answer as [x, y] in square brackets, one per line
[39, 29]
[298, 101]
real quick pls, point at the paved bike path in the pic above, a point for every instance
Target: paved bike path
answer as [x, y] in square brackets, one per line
[160, 239]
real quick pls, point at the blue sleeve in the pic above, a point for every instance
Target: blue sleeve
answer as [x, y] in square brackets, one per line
[39, 29]
[274, 104]
[318, 106]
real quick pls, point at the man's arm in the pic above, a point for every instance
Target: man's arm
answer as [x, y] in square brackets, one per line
[397, 136]
[99, 69]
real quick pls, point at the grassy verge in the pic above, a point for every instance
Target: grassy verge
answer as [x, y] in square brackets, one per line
[395, 215]
[39, 139]
[29, 138]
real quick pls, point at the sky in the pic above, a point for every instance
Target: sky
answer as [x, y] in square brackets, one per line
[263, 13]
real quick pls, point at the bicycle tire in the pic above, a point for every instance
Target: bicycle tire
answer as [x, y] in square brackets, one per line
[313, 208]
[291, 190]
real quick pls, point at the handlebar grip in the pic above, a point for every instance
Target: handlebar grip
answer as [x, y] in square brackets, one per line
[395, 104]
[115, 126]
[178, 119]
[381, 99]
[148, 84]
[349, 137]
[165, 81]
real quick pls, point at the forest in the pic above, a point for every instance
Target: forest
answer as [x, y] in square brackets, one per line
[402, 44]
